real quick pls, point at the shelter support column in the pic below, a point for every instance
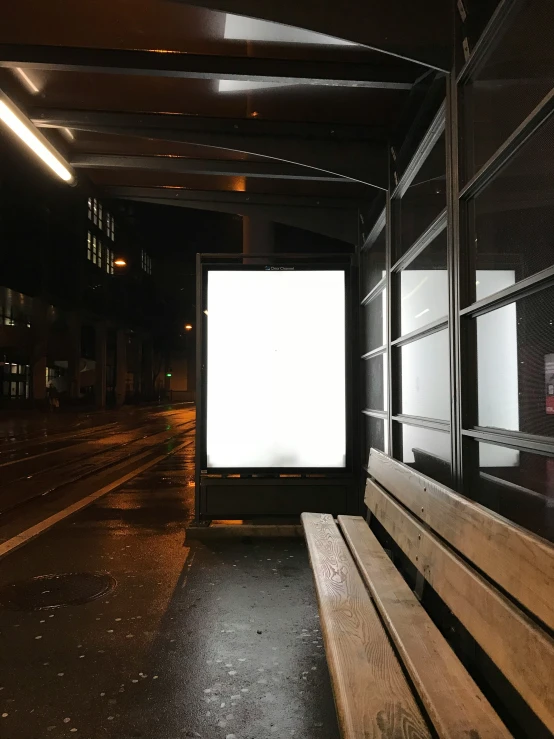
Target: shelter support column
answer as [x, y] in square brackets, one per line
[100, 356]
[258, 236]
[121, 367]
[74, 360]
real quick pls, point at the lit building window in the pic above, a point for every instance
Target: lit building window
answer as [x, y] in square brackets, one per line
[53, 373]
[146, 263]
[15, 381]
[109, 221]
[97, 252]
[109, 261]
[9, 318]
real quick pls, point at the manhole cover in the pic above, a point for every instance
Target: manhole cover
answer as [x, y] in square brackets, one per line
[56, 591]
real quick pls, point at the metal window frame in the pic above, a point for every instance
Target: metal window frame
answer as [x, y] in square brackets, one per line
[374, 352]
[376, 230]
[383, 415]
[441, 324]
[435, 424]
[422, 242]
[432, 135]
[465, 308]
[500, 21]
[505, 154]
[513, 439]
[381, 223]
[462, 306]
[395, 341]
[456, 280]
[379, 352]
[375, 291]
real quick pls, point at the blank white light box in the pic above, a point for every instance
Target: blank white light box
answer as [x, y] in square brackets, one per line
[276, 363]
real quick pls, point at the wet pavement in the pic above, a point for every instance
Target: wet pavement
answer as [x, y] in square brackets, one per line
[211, 640]
[36, 475]
[32, 427]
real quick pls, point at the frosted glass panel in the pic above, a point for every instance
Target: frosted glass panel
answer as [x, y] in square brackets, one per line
[276, 369]
[425, 371]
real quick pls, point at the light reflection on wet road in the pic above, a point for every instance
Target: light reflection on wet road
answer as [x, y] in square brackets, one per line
[197, 640]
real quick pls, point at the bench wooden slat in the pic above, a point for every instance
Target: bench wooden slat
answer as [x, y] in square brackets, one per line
[521, 563]
[523, 652]
[453, 701]
[372, 696]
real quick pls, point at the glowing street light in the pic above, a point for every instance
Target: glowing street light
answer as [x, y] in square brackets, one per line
[188, 327]
[120, 262]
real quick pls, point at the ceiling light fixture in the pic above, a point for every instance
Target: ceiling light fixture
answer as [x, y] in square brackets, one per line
[31, 86]
[24, 129]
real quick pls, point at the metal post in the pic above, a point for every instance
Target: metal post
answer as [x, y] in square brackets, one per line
[200, 328]
[121, 367]
[100, 354]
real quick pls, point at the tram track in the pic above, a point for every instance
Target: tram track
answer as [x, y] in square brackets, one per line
[21, 535]
[18, 446]
[25, 491]
[46, 436]
[83, 456]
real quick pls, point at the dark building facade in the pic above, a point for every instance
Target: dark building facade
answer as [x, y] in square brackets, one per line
[70, 317]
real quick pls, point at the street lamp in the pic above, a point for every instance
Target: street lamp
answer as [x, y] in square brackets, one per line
[188, 327]
[120, 262]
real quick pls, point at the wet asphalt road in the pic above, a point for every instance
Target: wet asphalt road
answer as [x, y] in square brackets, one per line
[64, 463]
[212, 640]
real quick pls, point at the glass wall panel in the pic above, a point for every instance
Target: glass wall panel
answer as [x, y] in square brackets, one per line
[517, 76]
[426, 450]
[515, 365]
[373, 264]
[424, 287]
[478, 15]
[375, 435]
[519, 485]
[514, 217]
[375, 378]
[425, 199]
[373, 322]
[425, 376]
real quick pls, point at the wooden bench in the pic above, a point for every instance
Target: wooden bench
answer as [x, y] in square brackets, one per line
[393, 673]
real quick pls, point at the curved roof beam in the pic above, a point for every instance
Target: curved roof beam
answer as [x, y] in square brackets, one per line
[415, 32]
[336, 219]
[359, 160]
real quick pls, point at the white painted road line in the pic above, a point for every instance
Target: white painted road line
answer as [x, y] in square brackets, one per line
[26, 536]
